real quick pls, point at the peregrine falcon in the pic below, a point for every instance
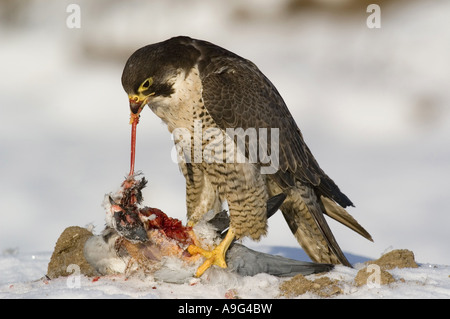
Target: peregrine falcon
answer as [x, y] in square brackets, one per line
[196, 86]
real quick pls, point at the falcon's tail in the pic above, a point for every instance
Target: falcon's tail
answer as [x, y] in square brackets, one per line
[304, 214]
[341, 215]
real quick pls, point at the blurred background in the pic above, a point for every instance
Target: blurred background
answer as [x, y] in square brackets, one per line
[373, 106]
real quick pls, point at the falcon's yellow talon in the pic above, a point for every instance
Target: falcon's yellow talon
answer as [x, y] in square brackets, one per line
[215, 256]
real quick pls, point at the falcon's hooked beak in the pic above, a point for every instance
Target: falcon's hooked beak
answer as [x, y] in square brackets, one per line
[137, 103]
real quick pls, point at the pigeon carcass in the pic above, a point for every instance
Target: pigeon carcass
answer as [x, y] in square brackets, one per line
[145, 240]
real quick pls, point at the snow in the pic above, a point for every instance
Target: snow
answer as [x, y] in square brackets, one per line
[22, 277]
[373, 106]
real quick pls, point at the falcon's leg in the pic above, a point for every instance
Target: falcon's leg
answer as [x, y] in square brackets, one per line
[201, 196]
[215, 256]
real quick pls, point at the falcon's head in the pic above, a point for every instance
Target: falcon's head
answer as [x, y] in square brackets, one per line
[150, 72]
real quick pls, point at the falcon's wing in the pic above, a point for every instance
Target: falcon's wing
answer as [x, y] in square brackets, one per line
[237, 95]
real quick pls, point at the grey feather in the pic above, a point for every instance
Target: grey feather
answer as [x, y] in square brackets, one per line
[247, 262]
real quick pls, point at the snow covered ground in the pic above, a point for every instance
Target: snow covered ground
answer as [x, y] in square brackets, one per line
[373, 106]
[22, 277]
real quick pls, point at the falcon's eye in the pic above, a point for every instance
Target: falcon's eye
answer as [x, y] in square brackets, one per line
[145, 85]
